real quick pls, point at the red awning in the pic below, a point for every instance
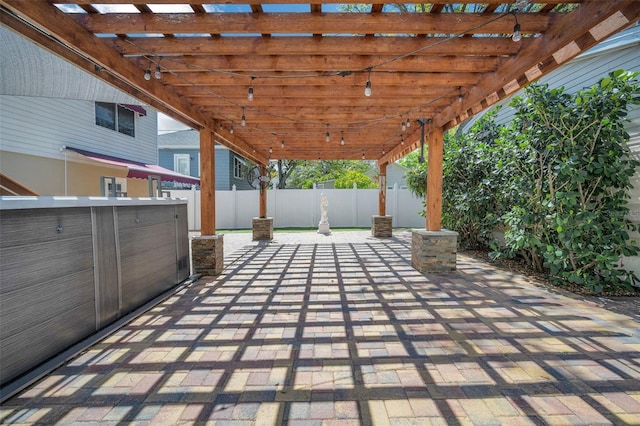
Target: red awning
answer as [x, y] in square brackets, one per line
[138, 170]
[135, 108]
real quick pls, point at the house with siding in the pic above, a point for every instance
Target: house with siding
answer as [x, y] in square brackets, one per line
[64, 132]
[620, 51]
[180, 151]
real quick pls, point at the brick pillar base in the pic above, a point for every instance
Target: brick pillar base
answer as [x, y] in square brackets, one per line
[381, 226]
[262, 228]
[434, 251]
[208, 254]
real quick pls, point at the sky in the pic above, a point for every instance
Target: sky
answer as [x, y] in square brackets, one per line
[167, 124]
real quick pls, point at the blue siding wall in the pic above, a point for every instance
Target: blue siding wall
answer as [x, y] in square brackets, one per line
[224, 166]
[165, 159]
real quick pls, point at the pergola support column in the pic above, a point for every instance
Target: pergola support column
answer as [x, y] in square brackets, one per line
[263, 226]
[208, 248]
[434, 249]
[381, 224]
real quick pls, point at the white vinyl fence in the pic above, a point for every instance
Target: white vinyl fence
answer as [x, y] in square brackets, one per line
[300, 208]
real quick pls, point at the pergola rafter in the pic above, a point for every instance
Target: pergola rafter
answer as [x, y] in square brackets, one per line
[433, 63]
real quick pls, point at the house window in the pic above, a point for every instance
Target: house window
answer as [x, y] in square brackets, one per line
[115, 117]
[181, 163]
[238, 166]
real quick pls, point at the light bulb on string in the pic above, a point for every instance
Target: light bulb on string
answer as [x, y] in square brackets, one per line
[282, 143]
[147, 74]
[402, 141]
[327, 136]
[231, 129]
[367, 87]
[342, 139]
[243, 120]
[158, 73]
[517, 34]
[404, 126]
[250, 92]
[408, 123]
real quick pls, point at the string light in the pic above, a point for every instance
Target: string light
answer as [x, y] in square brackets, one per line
[342, 138]
[327, 136]
[147, 74]
[404, 126]
[363, 154]
[517, 34]
[250, 93]
[408, 122]
[367, 87]
[243, 120]
[402, 141]
[158, 73]
[231, 129]
[460, 94]
[282, 143]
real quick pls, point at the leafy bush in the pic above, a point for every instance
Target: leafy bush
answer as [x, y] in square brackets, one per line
[557, 181]
[576, 174]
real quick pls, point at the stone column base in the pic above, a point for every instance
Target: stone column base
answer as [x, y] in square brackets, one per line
[262, 228]
[208, 254]
[434, 251]
[381, 226]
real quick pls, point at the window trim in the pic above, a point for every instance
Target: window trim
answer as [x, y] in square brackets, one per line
[182, 156]
[117, 118]
[238, 165]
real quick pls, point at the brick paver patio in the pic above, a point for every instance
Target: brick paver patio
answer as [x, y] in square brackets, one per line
[343, 331]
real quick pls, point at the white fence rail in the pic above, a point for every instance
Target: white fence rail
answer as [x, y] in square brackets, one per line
[300, 208]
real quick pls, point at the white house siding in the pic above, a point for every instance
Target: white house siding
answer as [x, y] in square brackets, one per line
[40, 126]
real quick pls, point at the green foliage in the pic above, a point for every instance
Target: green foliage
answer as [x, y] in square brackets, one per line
[556, 180]
[351, 177]
[576, 174]
[306, 173]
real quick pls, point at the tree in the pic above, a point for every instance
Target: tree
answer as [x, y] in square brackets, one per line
[284, 170]
[309, 172]
[360, 179]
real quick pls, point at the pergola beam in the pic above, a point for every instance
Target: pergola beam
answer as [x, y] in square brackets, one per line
[598, 20]
[197, 46]
[302, 23]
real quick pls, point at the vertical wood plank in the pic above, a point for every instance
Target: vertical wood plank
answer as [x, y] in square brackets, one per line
[382, 194]
[434, 180]
[263, 193]
[207, 183]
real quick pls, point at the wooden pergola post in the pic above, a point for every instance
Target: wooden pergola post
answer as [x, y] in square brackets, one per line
[263, 193]
[207, 249]
[434, 249]
[381, 224]
[263, 225]
[434, 180]
[207, 183]
[382, 194]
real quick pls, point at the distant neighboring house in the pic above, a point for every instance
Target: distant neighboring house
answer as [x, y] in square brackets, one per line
[396, 175]
[64, 132]
[180, 152]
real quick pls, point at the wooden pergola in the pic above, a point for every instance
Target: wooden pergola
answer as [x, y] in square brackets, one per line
[308, 66]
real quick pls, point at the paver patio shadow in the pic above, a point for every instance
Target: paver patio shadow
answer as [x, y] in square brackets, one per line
[348, 333]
